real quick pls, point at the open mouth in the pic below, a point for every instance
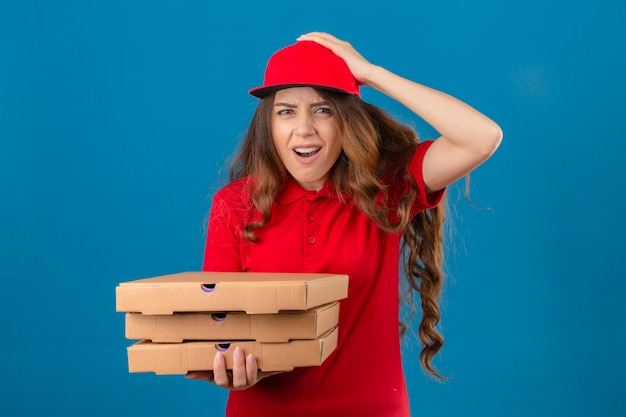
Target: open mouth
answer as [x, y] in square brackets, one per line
[307, 152]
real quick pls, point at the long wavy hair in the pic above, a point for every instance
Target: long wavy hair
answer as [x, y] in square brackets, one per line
[376, 153]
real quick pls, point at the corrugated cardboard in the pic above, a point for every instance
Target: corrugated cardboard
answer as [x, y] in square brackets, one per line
[287, 325]
[178, 358]
[252, 292]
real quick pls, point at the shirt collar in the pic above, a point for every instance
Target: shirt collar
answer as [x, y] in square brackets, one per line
[292, 191]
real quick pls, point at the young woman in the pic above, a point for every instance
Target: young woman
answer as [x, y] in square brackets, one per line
[325, 182]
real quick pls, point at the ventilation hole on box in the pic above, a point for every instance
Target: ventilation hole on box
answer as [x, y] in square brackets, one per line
[222, 347]
[208, 287]
[218, 316]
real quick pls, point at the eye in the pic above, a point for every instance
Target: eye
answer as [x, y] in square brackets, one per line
[324, 110]
[284, 112]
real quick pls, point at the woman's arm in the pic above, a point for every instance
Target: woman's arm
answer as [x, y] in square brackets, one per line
[468, 137]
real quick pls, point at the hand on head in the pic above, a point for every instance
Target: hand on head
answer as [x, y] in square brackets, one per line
[358, 65]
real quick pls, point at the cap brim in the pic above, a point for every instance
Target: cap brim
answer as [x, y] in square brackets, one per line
[261, 92]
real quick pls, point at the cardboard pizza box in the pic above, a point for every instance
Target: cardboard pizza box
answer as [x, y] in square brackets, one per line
[282, 327]
[252, 292]
[179, 358]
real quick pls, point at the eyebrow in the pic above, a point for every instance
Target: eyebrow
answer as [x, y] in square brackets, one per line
[293, 106]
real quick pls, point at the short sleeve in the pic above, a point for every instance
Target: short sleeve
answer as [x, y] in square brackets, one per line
[423, 200]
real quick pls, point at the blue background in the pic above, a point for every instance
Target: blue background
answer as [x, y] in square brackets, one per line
[118, 117]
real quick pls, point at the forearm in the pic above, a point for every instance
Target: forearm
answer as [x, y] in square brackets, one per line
[461, 124]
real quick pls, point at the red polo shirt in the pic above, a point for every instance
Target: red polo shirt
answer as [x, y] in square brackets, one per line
[317, 232]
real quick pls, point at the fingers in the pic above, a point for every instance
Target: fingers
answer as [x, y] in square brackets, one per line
[244, 371]
[220, 377]
[338, 46]
[252, 370]
[240, 377]
[324, 39]
[244, 374]
[358, 65]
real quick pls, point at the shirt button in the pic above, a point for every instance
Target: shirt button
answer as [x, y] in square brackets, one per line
[310, 218]
[311, 239]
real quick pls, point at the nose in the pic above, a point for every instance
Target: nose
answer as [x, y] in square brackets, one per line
[304, 125]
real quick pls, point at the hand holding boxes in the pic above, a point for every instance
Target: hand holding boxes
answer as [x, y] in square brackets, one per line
[183, 320]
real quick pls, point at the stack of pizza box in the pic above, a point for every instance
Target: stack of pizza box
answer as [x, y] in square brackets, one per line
[180, 321]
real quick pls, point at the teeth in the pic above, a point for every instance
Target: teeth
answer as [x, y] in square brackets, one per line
[306, 150]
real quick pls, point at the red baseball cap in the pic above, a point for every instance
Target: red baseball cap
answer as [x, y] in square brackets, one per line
[306, 64]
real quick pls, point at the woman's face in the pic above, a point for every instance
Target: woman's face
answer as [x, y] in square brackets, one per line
[306, 135]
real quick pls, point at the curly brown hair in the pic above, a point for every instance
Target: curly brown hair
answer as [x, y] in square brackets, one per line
[376, 153]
